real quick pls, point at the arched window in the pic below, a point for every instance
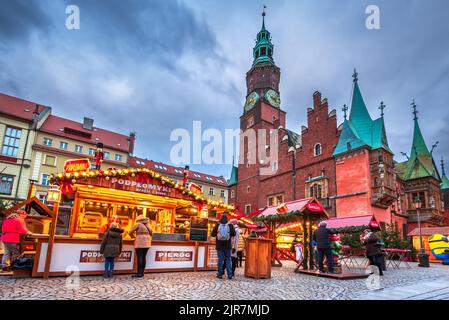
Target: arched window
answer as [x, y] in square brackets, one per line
[317, 149]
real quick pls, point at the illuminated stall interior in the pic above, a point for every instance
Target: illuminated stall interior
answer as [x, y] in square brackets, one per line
[96, 203]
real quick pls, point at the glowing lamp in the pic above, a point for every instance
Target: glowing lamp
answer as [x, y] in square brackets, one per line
[54, 195]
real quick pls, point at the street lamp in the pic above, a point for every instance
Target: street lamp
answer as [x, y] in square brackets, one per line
[423, 257]
[54, 197]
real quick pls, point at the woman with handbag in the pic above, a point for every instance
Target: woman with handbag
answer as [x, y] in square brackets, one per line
[142, 243]
[373, 246]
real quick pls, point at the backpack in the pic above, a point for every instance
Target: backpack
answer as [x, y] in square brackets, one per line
[224, 232]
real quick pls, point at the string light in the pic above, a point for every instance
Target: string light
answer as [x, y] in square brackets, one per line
[57, 178]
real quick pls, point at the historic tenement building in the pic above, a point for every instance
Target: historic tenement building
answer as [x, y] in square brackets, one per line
[445, 191]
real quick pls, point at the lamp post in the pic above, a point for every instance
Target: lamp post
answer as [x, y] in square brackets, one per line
[53, 196]
[423, 257]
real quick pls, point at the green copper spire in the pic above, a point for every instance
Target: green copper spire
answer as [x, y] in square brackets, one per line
[445, 180]
[263, 51]
[421, 163]
[359, 116]
[234, 175]
[360, 130]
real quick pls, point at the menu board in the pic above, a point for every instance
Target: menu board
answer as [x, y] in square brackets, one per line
[198, 234]
[169, 237]
[198, 229]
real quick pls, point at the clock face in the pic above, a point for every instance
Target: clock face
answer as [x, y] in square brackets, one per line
[251, 100]
[273, 98]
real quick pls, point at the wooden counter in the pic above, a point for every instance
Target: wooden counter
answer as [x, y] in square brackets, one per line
[81, 256]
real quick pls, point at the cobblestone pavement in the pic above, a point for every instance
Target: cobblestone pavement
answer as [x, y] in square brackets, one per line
[284, 284]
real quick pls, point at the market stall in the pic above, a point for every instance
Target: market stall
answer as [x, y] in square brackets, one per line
[180, 217]
[299, 215]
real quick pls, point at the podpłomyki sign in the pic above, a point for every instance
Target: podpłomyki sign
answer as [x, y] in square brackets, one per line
[94, 256]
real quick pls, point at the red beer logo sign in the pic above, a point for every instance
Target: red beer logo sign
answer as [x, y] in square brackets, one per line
[76, 165]
[174, 255]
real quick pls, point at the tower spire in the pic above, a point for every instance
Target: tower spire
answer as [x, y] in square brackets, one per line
[415, 112]
[345, 110]
[263, 17]
[381, 108]
[355, 76]
[442, 167]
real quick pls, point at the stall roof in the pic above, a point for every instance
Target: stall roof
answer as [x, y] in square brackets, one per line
[296, 205]
[293, 210]
[429, 231]
[348, 222]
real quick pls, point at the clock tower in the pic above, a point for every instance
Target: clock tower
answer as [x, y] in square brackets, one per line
[262, 114]
[262, 80]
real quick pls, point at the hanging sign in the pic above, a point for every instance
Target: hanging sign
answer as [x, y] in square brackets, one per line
[314, 207]
[195, 189]
[76, 165]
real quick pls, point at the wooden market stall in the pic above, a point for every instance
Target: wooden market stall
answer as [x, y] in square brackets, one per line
[181, 220]
[299, 215]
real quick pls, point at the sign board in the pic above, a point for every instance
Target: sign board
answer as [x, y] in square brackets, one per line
[174, 255]
[76, 165]
[212, 257]
[94, 256]
[314, 207]
[198, 235]
[198, 229]
[169, 236]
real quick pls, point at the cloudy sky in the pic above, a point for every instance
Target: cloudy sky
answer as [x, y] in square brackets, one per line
[152, 66]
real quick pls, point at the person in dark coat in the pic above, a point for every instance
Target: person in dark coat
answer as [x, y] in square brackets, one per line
[111, 247]
[223, 232]
[373, 249]
[323, 244]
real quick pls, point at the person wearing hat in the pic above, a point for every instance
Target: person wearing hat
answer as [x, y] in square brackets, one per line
[223, 233]
[13, 226]
[111, 247]
[323, 244]
[142, 243]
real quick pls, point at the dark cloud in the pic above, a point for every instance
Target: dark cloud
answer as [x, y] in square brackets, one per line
[20, 18]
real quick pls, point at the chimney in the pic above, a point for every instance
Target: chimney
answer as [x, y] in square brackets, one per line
[35, 120]
[132, 140]
[88, 124]
[316, 99]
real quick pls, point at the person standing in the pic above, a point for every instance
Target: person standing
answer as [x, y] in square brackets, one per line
[142, 243]
[373, 247]
[13, 226]
[235, 245]
[111, 247]
[323, 245]
[240, 248]
[223, 232]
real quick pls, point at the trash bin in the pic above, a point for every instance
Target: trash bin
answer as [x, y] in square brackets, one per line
[423, 259]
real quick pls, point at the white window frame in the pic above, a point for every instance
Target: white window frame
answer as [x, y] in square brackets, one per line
[42, 179]
[211, 191]
[61, 143]
[77, 146]
[118, 157]
[48, 164]
[246, 208]
[47, 142]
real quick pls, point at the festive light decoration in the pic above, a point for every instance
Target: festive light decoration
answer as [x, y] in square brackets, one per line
[66, 178]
